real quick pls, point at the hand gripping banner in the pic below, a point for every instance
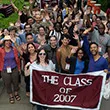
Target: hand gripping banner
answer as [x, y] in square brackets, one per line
[59, 90]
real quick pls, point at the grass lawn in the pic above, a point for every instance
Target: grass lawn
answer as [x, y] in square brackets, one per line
[4, 22]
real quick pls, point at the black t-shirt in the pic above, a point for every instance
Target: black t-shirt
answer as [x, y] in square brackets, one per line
[26, 57]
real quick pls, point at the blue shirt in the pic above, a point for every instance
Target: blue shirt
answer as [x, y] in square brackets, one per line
[63, 13]
[23, 37]
[79, 67]
[9, 60]
[98, 65]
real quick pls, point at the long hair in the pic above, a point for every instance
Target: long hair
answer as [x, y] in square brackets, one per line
[46, 58]
[76, 54]
[33, 46]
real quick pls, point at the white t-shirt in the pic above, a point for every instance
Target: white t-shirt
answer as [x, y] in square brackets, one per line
[49, 67]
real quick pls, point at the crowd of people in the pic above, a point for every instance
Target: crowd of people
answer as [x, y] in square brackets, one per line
[69, 38]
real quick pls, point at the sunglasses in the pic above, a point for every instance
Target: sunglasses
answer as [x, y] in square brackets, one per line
[42, 53]
[80, 52]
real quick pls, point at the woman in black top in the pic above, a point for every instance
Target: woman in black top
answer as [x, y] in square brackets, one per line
[29, 58]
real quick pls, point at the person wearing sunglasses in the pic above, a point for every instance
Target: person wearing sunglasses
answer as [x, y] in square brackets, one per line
[42, 60]
[43, 63]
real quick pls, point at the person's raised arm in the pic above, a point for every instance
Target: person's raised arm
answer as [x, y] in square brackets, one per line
[13, 5]
[86, 42]
[17, 46]
[69, 57]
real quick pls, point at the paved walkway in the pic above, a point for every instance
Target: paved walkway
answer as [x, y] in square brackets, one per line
[24, 104]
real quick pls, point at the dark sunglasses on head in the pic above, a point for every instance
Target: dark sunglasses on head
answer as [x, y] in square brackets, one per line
[42, 53]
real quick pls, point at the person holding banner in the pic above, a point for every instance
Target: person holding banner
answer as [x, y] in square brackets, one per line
[78, 64]
[96, 61]
[29, 57]
[63, 91]
[43, 63]
[28, 54]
